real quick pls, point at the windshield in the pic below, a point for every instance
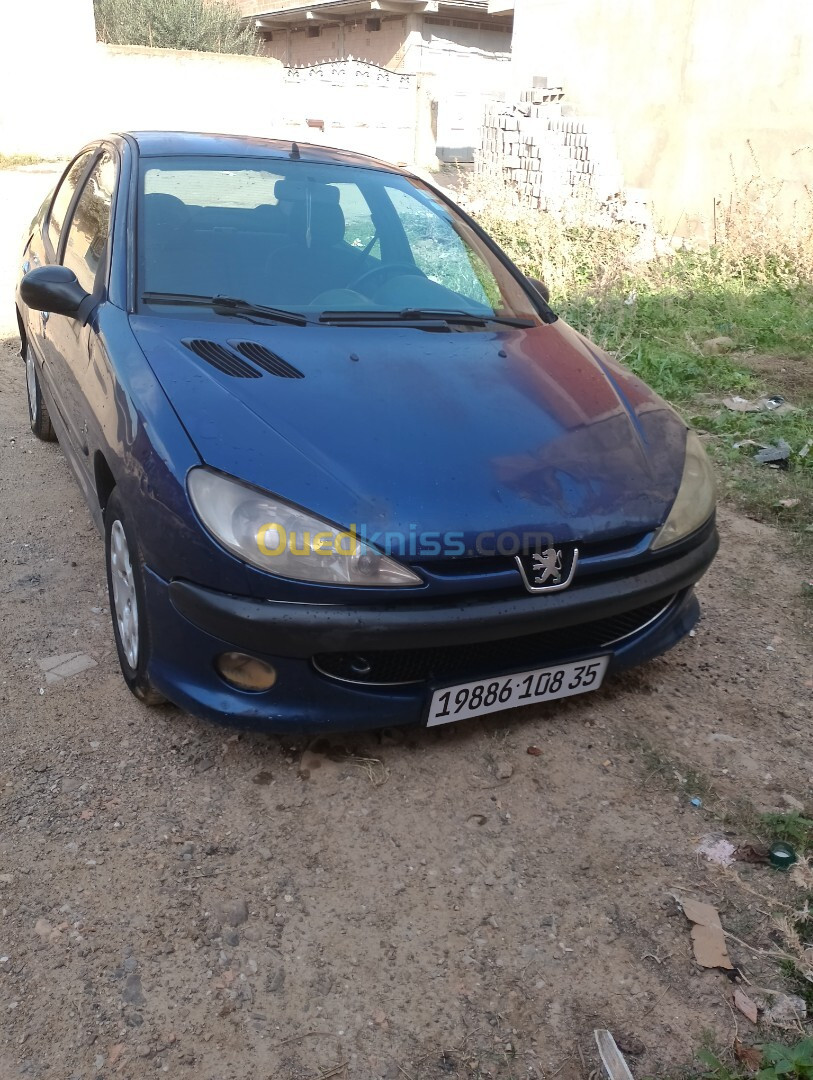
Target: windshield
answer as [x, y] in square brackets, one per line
[313, 238]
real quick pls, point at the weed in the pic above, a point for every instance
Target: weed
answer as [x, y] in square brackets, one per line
[778, 1062]
[792, 828]
[653, 308]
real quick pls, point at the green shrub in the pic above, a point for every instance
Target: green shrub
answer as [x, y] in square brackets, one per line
[201, 25]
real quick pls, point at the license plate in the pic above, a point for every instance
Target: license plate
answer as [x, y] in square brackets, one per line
[511, 691]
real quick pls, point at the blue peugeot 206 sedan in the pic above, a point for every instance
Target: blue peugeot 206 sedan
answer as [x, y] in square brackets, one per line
[351, 469]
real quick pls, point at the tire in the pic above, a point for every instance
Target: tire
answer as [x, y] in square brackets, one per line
[37, 409]
[128, 601]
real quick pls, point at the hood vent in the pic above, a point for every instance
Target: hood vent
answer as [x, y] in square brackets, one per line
[268, 361]
[222, 358]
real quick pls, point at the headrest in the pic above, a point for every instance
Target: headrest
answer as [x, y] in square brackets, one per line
[327, 224]
[297, 191]
[165, 211]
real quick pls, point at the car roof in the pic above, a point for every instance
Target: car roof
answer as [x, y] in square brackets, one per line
[175, 143]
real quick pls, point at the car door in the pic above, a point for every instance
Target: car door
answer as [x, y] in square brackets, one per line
[41, 250]
[84, 250]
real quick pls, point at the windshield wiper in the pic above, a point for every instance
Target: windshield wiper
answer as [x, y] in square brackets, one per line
[227, 305]
[466, 318]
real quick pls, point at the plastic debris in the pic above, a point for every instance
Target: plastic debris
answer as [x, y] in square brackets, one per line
[749, 442]
[716, 849]
[787, 504]
[696, 802]
[708, 940]
[612, 1059]
[808, 446]
[774, 455]
[782, 855]
[781, 1010]
[740, 404]
[776, 405]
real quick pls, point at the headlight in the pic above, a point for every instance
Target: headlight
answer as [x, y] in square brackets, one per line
[695, 499]
[269, 533]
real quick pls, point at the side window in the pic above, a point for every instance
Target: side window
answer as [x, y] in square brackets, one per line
[90, 225]
[62, 199]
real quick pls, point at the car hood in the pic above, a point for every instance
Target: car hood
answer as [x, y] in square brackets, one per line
[405, 430]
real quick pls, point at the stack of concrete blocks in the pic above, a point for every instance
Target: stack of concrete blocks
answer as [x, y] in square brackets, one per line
[546, 154]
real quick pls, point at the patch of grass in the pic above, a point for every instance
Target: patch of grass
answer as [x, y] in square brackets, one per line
[16, 161]
[779, 1061]
[655, 308]
[792, 828]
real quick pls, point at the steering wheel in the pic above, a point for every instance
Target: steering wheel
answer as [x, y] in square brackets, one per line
[388, 269]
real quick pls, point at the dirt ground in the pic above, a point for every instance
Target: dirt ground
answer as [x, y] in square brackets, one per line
[176, 898]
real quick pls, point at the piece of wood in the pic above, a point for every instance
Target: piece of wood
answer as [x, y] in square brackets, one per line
[611, 1057]
[746, 1006]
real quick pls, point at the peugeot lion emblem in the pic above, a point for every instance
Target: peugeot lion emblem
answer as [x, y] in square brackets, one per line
[548, 570]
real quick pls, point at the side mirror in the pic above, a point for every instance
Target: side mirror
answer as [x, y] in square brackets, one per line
[540, 287]
[55, 289]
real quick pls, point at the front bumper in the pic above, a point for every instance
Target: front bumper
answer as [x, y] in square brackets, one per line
[190, 626]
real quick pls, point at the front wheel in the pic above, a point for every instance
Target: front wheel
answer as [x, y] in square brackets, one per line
[37, 409]
[128, 608]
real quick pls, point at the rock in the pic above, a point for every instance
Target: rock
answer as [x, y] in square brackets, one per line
[275, 979]
[43, 929]
[792, 802]
[132, 992]
[503, 770]
[717, 345]
[114, 1053]
[231, 938]
[230, 913]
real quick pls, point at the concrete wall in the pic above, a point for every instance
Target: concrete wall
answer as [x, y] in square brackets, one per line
[686, 86]
[129, 87]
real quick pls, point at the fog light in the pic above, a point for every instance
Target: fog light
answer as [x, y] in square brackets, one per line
[245, 672]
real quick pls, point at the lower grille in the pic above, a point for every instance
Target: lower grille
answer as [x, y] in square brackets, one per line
[394, 667]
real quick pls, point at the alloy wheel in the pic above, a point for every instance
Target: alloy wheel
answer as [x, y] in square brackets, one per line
[125, 600]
